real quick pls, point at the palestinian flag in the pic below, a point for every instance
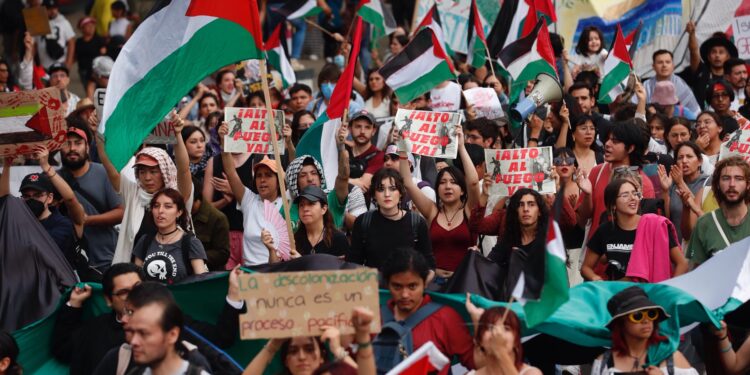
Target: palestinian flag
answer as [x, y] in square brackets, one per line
[293, 9]
[380, 19]
[617, 67]
[277, 56]
[319, 140]
[166, 57]
[517, 18]
[631, 40]
[527, 57]
[422, 65]
[477, 44]
[432, 21]
[425, 360]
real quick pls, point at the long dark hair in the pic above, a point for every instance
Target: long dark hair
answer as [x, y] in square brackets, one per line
[612, 191]
[620, 345]
[458, 177]
[328, 227]
[582, 48]
[178, 201]
[581, 120]
[386, 174]
[386, 91]
[513, 224]
[189, 130]
[489, 318]
[284, 351]
[12, 82]
[296, 132]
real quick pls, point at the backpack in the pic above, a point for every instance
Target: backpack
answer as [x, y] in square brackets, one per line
[367, 221]
[184, 246]
[394, 342]
[609, 360]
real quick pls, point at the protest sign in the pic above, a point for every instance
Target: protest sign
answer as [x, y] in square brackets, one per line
[429, 133]
[248, 132]
[163, 134]
[99, 102]
[485, 102]
[31, 118]
[290, 304]
[36, 20]
[520, 168]
[739, 142]
[741, 28]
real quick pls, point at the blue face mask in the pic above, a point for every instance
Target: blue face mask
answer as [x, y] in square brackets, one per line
[339, 61]
[327, 89]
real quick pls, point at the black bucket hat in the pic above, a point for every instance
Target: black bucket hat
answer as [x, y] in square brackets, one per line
[630, 300]
[717, 40]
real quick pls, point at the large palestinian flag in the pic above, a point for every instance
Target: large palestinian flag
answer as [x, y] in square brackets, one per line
[517, 18]
[380, 19]
[527, 57]
[432, 21]
[617, 68]
[422, 65]
[166, 57]
[277, 57]
[477, 44]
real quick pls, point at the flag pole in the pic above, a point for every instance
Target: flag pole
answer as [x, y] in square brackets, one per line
[489, 59]
[507, 310]
[276, 155]
[315, 25]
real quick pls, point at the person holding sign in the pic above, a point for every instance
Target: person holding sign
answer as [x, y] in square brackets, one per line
[265, 187]
[307, 355]
[448, 216]
[631, 240]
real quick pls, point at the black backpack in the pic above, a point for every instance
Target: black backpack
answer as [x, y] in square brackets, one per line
[184, 246]
[367, 221]
[394, 342]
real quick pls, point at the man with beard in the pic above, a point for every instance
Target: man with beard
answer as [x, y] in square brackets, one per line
[93, 190]
[717, 229]
[735, 72]
[365, 158]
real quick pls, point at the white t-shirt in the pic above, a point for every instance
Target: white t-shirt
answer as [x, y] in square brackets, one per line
[118, 26]
[252, 207]
[62, 32]
[383, 110]
[447, 98]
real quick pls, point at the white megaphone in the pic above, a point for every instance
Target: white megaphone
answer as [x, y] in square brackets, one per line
[546, 90]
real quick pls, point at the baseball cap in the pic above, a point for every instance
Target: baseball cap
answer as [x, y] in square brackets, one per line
[79, 132]
[37, 181]
[85, 21]
[271, 164]
[50, 3]
[312, 194]
[145, 160]
[393, 150]
[56, 67]
[363, 114]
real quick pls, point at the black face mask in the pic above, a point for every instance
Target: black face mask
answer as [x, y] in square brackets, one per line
[36, 207]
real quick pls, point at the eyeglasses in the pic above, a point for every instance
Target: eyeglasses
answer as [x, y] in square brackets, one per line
[629, 194]
[381, 189]
[307, 348]
[720, 94]
[567, 160]
[644, 315]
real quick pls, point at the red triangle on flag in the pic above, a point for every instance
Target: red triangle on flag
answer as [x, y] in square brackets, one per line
[241, 12]
[343, 90]
[40, 122]
[544, 45]
[619, 49]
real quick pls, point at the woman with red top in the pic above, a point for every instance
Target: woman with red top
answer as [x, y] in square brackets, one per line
[447, 217]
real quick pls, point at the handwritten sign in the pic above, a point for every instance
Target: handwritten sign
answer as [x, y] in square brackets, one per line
[290, 304]
[248, 131]
[31, 118]
[513, 169]
[429, 133]
[741, 29]
[739, 142]
[163, 134]
[99, 95]
[485, 102]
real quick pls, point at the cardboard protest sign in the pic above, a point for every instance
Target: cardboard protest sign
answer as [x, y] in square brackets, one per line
[99, 101]
[429, 133]
[741, 29]
[289, 304]
[163, 134]
[36, 20]
[248, 131]
[31, 118]
[739, 142]
[513, 169]
[485, 102]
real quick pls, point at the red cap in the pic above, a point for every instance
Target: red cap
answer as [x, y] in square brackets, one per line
[145, 160]
[718, 86]
[78, 132]
[86, 20]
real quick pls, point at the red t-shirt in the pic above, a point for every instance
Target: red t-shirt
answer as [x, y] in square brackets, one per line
[375, 162]
[447, 330]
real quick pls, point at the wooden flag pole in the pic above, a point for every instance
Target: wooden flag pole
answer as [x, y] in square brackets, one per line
[507, 310]
[277, 156]
[315, 25]
[489, 59]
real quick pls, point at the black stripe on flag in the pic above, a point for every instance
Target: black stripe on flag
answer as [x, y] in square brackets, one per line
[520, 47]
[421, 43]
[500, 30]
[159, 5]
[291, 6]
[470, 33]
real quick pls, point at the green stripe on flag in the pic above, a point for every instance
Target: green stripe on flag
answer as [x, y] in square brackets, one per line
[310, 142]
[21, 110]
[150, 99]
[611, 81]
[424, 83]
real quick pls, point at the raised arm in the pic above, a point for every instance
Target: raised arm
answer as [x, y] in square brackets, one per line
[75, 209]
[470, 173]
[585, 204]
[238, 189]
[112, 173]
[263, 358]
[695, 54]
[341, 186]
[189, 106]
[181, 158]
[562, 138]
[426, 207]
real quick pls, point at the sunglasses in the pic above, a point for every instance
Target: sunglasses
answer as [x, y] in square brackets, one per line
[567, 160]
[644, 315]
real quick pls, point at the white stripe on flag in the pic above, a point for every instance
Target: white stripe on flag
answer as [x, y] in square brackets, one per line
[309, 5]
[328, 151]
[518, 289]
[413, 71]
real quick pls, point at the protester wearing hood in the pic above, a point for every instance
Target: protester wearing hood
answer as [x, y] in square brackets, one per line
[150, 171]
[635, 327]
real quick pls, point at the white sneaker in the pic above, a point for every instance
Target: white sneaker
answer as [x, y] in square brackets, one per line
[296, 65]
[313, 57]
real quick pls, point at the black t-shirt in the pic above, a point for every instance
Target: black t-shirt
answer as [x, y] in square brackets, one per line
[617, 243]
[339, 246]
[86, 52]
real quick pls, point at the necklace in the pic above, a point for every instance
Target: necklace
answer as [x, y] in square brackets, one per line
[164, 236]
[637, 360]
[450, 221]
[398, 213]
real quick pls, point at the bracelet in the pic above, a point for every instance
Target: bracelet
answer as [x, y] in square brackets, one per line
[532, 139]
[403, 157]
[728, 348]
[341, 354]
[47, 172]
[363, 345]
[725, 336]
